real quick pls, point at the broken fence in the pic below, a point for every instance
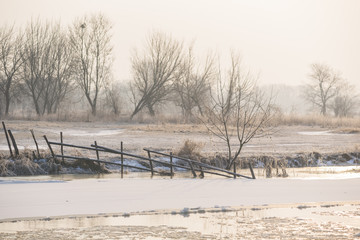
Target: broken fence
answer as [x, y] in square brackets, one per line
[197, 168]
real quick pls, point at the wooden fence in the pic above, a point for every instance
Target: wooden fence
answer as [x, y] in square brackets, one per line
[147, 163]
[172, 165]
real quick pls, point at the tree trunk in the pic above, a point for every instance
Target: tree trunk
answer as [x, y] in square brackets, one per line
[37, 107]
[7, 102]
[151, 110]
[93, 109]
[323, 109]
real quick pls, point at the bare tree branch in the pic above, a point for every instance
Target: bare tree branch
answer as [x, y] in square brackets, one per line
[90, 39]
[10, 63]
[238, 109]
[324, 85]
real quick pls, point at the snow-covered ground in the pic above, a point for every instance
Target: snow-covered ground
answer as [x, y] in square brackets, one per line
[20, 199]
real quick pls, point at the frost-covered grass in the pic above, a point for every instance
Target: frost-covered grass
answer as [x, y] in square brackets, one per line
[27, 164]
[349, 123]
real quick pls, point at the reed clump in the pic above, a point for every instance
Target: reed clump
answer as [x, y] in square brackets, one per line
[28, 164]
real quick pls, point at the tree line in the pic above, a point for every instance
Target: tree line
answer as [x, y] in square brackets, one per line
[48, 63]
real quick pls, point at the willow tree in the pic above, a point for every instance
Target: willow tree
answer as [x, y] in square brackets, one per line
[90, 40]
[47, 65]
[154, 71]
[193, 84]
[37, 56]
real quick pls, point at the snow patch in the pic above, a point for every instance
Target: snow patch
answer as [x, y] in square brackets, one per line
[316, 133]
[84, 133]
[20, 147]
[27, 181]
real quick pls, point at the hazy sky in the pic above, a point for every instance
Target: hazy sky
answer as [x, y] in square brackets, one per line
[277, 38]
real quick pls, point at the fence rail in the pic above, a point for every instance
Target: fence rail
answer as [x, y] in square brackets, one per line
[204, 165]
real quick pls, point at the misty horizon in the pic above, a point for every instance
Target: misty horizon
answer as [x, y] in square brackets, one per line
[279, 40]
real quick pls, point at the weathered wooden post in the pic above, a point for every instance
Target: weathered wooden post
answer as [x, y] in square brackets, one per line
[171, 166]
[192, 169]
[151, 165]
[14, 143]
[62, 147]
[251, 170]
[97, 152]
[122, 159]
[50, 148]
[36, 144]
[234, 169]
[201, 172]
[7, 139]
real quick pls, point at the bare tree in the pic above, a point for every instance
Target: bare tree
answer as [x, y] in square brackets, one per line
[47, 67]
[154, 72]
[112, 97]
[60, 72]
[345, 101]
[324, 85]
[38, 64]
[10, 63]
[192, 85]
[238, 111]
[90, 39]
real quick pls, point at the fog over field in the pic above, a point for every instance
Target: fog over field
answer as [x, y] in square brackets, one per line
[278, 38]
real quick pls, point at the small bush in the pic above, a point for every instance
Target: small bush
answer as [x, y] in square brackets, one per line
[190, 149]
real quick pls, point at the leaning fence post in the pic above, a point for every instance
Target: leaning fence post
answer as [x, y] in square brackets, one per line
[36, 144]
[192, 169]
[171, 166]
[122, 159]
[50, 148]
[234, 170]
[201, 172]
[251, 170]
[62, 147]
[14, 143]
[97, 152]
[7, 139]
[151, 165]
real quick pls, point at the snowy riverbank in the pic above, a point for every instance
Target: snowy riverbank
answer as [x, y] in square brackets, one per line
[20, 199]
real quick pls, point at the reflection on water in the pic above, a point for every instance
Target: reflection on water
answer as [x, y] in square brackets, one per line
[211, 221]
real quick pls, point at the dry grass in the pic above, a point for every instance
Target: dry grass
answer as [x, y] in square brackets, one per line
[175, 118]
[22, 165]
[190, 149]
[27, 164]
[316, 120]
[347, 130]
